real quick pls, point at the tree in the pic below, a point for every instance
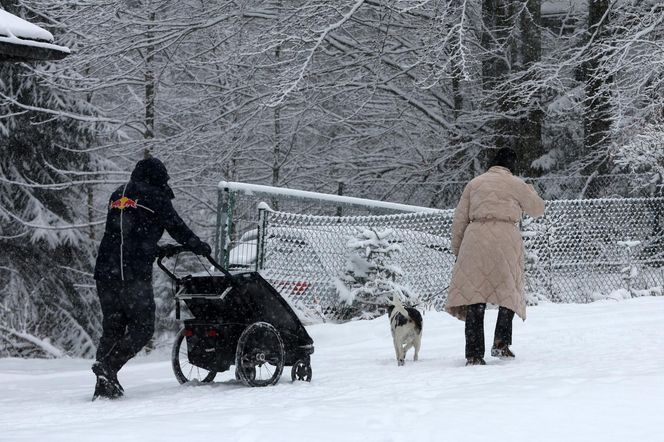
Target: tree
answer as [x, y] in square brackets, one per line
[46, 262]
[369, 281]
[512, 81]
[597, 102]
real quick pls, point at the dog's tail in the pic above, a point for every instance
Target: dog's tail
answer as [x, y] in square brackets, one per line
[398, 306]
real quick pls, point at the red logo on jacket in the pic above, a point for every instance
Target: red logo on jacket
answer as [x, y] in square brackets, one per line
[123, 203]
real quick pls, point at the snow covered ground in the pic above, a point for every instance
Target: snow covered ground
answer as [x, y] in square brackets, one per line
[590, 372]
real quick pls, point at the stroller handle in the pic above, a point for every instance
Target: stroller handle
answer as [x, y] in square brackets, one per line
[170, 250]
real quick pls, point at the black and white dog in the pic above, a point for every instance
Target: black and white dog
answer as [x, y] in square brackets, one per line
[406, 327]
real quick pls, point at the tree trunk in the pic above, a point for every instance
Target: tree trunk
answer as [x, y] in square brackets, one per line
[503, 19]
[150, 87]
[495, 15]
[596, 117]
[528, 143]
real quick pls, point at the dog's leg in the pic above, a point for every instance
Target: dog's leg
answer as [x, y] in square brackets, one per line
[406, 347]
[418, 341]
[401, 358]
[398, 344]
[395, 341]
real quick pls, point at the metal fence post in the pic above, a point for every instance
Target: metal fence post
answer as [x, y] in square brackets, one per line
[260, 239]
[629, 272]
[218, 241]
[225, 206]
[548, 228]
[340, 191]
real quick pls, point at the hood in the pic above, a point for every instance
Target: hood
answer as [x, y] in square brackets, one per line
[153, 172]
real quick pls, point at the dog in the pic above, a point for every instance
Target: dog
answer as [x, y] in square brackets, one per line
[406, 327]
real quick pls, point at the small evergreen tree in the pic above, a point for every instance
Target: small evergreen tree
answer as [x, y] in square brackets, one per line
[370, 279]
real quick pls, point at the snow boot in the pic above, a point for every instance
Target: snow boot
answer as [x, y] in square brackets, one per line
[106, 371]
[501, 350]
[475, 361]
[105, 390]
[107, 385]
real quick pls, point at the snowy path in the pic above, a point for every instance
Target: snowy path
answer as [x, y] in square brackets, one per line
[583, 373]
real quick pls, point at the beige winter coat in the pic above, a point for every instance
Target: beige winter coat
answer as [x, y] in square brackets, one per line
[488, 244]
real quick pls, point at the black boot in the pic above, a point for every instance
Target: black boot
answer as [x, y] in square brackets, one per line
[503, 336]
[501, 350]
[107, 382]
[475, 361]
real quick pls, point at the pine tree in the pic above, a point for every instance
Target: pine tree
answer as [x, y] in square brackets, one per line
[370, 279]
[45, 287]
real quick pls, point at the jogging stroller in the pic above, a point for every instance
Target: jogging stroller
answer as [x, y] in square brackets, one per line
[238, 319]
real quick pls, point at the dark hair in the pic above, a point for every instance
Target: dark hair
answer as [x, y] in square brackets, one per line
[504, 157]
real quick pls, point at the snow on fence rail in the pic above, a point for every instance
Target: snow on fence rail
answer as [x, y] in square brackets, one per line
[580, 251]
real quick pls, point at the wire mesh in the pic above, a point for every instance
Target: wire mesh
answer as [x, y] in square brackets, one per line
[237, 220]
[580, 251]
[304, 256]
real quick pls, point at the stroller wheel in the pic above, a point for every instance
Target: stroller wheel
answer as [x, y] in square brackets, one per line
[301, 371]
[184, 370]
[250, 372]
[259, 358]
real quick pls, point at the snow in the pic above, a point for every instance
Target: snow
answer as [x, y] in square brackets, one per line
[13, 25]
[629, 244]
[547, 161]
[590, 372]
[244, 254]
[15, 30]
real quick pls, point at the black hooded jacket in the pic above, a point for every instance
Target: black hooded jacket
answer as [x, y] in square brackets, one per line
[138, 213]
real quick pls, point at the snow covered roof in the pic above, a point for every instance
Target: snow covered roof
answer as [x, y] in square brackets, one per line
[558, 7]
[574, 7]
[21, 40]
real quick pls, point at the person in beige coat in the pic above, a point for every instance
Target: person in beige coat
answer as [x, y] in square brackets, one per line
[487, 243]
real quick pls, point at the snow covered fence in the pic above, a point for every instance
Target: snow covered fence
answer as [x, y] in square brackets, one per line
[581, 250]
[307, 257]
[237, 214]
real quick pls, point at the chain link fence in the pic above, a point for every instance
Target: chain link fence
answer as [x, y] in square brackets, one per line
[580, 251]
[583, 250]
[304, 256]
[237, 213]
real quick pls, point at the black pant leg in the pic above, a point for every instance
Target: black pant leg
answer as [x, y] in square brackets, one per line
[504, 326]
[475, 331]
[114, 321]
[139, 309]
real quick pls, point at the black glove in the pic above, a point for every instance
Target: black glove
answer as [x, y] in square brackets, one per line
[168, 250]
[201, 248]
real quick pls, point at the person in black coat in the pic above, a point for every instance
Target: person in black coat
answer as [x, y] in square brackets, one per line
[138, 213]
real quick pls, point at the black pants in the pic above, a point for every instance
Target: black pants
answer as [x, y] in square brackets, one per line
[128, 325]
[475, 329]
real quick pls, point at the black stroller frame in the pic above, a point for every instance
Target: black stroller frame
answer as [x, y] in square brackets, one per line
[238, 319]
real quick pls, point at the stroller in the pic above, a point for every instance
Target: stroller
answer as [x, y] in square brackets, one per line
[238, 319]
